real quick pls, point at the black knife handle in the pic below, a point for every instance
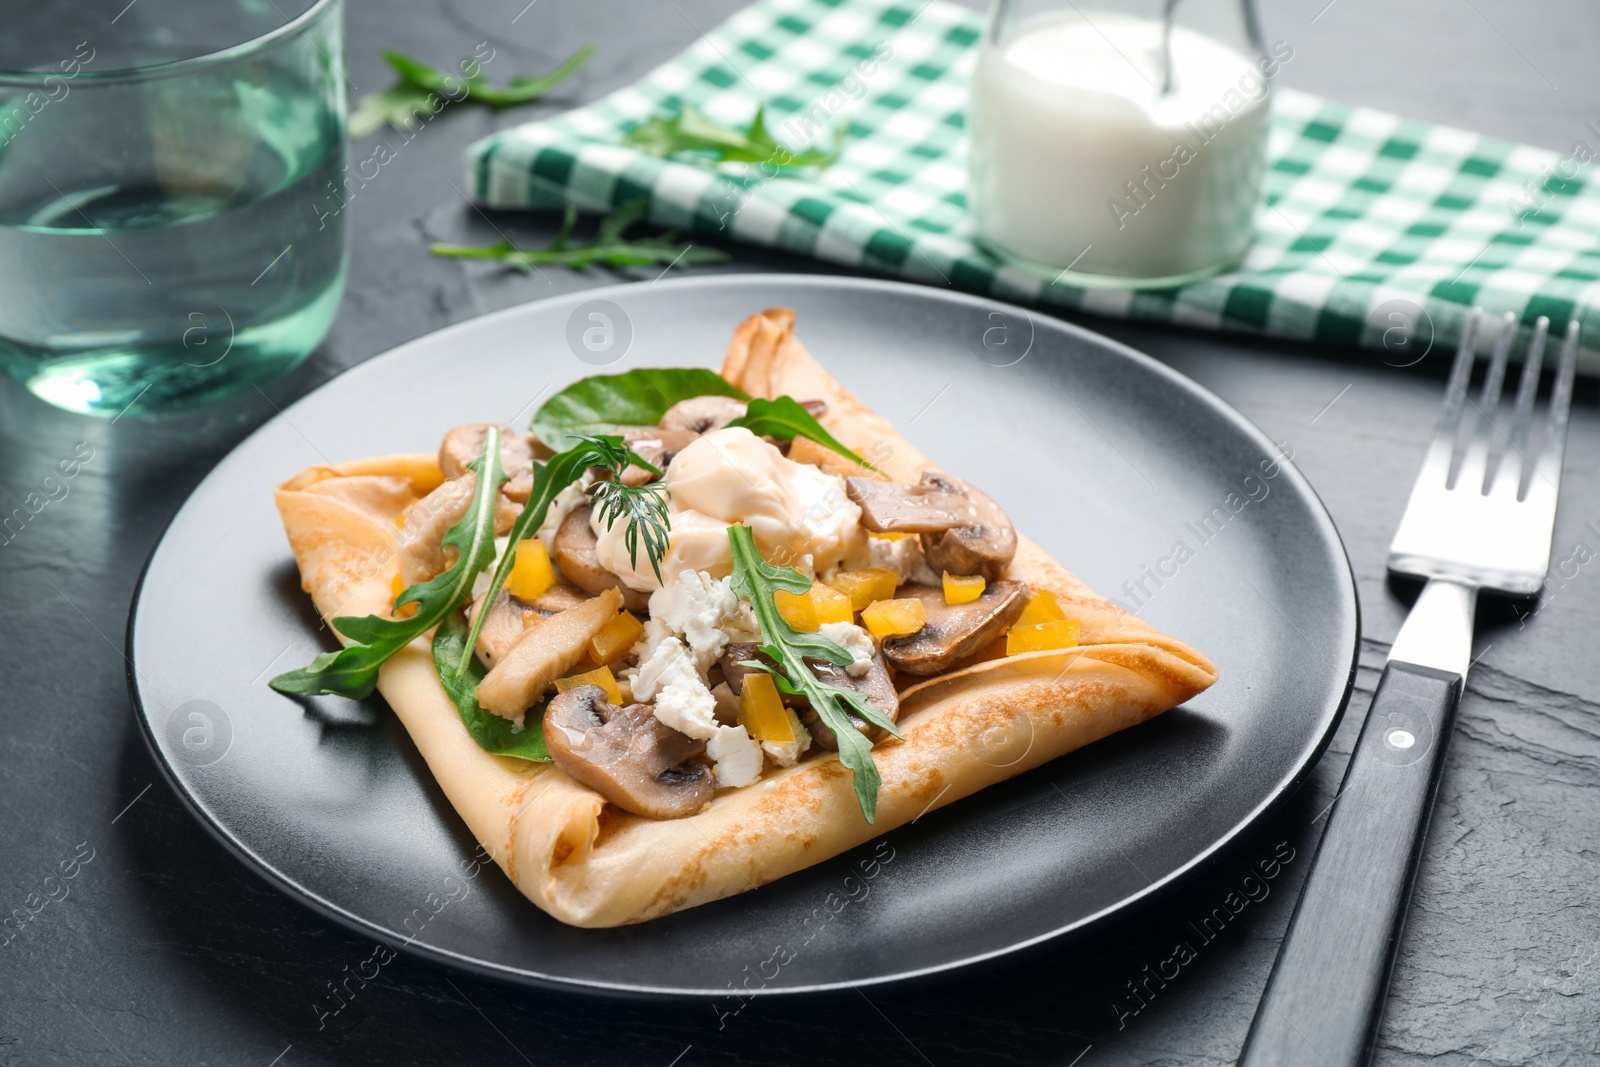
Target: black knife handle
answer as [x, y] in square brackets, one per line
[1325, 997]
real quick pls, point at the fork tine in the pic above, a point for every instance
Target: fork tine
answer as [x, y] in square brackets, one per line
[1436, 467]
[1474, 464]
[1515, 458]
[1545, 479]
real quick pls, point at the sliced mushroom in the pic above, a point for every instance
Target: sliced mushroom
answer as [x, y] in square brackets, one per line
[875, 685]
[656, 447]
[727, 712]
[627, 755]
[895, 507]
[542, 654]
[464, 444]
[983, 547]
[954, 631]
[576, 556]
[733, 670]
[702, 414]
[508, 617]
[424, 524]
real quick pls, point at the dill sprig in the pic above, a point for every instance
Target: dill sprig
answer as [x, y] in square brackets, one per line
[645, 509]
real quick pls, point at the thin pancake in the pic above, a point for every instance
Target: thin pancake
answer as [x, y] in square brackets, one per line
[587, 863]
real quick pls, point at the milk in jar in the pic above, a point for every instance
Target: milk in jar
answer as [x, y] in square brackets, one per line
[1084, 155]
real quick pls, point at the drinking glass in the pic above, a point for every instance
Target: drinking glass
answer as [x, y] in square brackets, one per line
[164, 166]
[1120, 142]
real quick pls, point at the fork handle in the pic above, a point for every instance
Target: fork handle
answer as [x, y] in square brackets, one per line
[1325, 997]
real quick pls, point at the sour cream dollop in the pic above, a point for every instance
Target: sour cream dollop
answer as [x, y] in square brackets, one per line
[800, 516]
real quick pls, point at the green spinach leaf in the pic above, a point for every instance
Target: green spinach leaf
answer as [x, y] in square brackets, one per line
[606, 403]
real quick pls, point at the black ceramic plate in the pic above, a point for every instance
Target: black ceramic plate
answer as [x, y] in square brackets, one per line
[1105, 457]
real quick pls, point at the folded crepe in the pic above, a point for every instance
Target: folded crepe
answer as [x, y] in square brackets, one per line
[589, 864]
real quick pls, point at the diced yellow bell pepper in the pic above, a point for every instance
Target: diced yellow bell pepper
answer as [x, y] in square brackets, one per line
[1042, 607]
[1042, 637]
[895, 618]
[397, 586]
[600, 676]
[832, 605]
[865, 586]
[961, 588]
[615, 637]
[531, 574]
[761, 710]
[809, 610]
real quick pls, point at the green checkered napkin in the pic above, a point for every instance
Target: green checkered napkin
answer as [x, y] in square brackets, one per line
[1364, 208]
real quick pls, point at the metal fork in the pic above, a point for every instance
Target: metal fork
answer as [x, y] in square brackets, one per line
[1480, 518]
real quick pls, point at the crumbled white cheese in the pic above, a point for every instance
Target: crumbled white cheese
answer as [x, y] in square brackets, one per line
[787, 754]
[574, 495]
[854, 640]
[480, 584]
[691, 622]
[701, 609]
[682, 700]
[903, 555]
[737, 756]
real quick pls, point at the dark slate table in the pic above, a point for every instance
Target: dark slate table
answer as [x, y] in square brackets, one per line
[167, 951]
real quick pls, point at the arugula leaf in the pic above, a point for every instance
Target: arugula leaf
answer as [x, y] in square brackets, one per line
[692, 130]
[420, 85]
[785, 419]
[605, 403]
[609, 247]
[549, 479]
[493, 734]
[523, 88]
[398, 106]
[353, 671]
[756, 580]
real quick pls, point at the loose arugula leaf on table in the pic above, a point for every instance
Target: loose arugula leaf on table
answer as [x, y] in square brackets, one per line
[353, 670]
[493, 734]
[606, 403]
[692, 130]
[610, 247]
[785, 419]
[756, 580]
[419, 84]
[549, 479]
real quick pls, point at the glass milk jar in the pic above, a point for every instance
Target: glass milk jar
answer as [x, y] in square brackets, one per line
[1119, 143]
